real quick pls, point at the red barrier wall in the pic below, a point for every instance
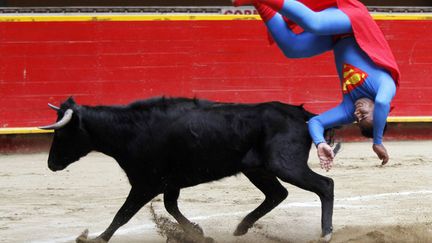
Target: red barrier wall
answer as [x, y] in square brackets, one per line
[116, 62]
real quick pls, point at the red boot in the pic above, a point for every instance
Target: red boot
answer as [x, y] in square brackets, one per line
[274, 4]
[238, 3]
[264, 11]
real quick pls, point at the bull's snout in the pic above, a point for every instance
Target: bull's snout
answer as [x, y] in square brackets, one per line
[53, 167]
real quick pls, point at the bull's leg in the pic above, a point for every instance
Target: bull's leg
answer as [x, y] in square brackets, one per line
[170, 201]
[134, 202]
[290, 165]
[274, 193]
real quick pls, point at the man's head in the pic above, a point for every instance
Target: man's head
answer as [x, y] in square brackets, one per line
[364, 109]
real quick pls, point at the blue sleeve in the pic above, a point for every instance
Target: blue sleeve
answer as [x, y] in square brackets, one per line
[385, 94]
[341, 114]
[331, 21]
[297, 45]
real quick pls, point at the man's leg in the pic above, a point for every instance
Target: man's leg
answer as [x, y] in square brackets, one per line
[330, 21]
[292, 45]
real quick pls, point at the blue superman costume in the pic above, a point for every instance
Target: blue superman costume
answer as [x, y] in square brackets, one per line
[364, 61]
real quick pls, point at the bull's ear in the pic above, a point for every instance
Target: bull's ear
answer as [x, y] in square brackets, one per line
[68, 104]
[70, 101]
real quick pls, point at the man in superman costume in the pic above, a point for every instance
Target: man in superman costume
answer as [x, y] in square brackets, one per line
[365, 64]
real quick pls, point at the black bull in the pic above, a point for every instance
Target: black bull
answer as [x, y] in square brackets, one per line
[164, 145]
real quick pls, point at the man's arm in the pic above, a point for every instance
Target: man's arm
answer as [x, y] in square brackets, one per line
[339, 115]
[342, 114]
[385, 94]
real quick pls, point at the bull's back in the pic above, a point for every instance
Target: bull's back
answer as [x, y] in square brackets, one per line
[196, 144]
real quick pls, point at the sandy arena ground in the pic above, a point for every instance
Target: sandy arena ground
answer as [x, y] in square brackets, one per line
[372, 203]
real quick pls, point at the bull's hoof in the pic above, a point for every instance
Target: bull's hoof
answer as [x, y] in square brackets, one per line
[188, 238]
[326, 238]
[209, 240]
[193, 229]
[83, 238]
[241, 229]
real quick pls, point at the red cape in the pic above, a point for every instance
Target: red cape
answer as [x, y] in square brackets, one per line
[370, 37]
[366, 32]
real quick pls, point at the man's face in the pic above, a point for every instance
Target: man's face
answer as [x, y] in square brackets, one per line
[364, 108]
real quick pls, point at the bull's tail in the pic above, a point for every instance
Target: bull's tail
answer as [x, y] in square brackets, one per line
[337, 148]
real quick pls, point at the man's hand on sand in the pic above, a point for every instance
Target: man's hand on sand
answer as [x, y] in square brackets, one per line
[381, 151]
[325, 155]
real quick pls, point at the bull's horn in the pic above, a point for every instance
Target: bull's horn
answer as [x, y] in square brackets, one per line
[66, 118]
[53, 107]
